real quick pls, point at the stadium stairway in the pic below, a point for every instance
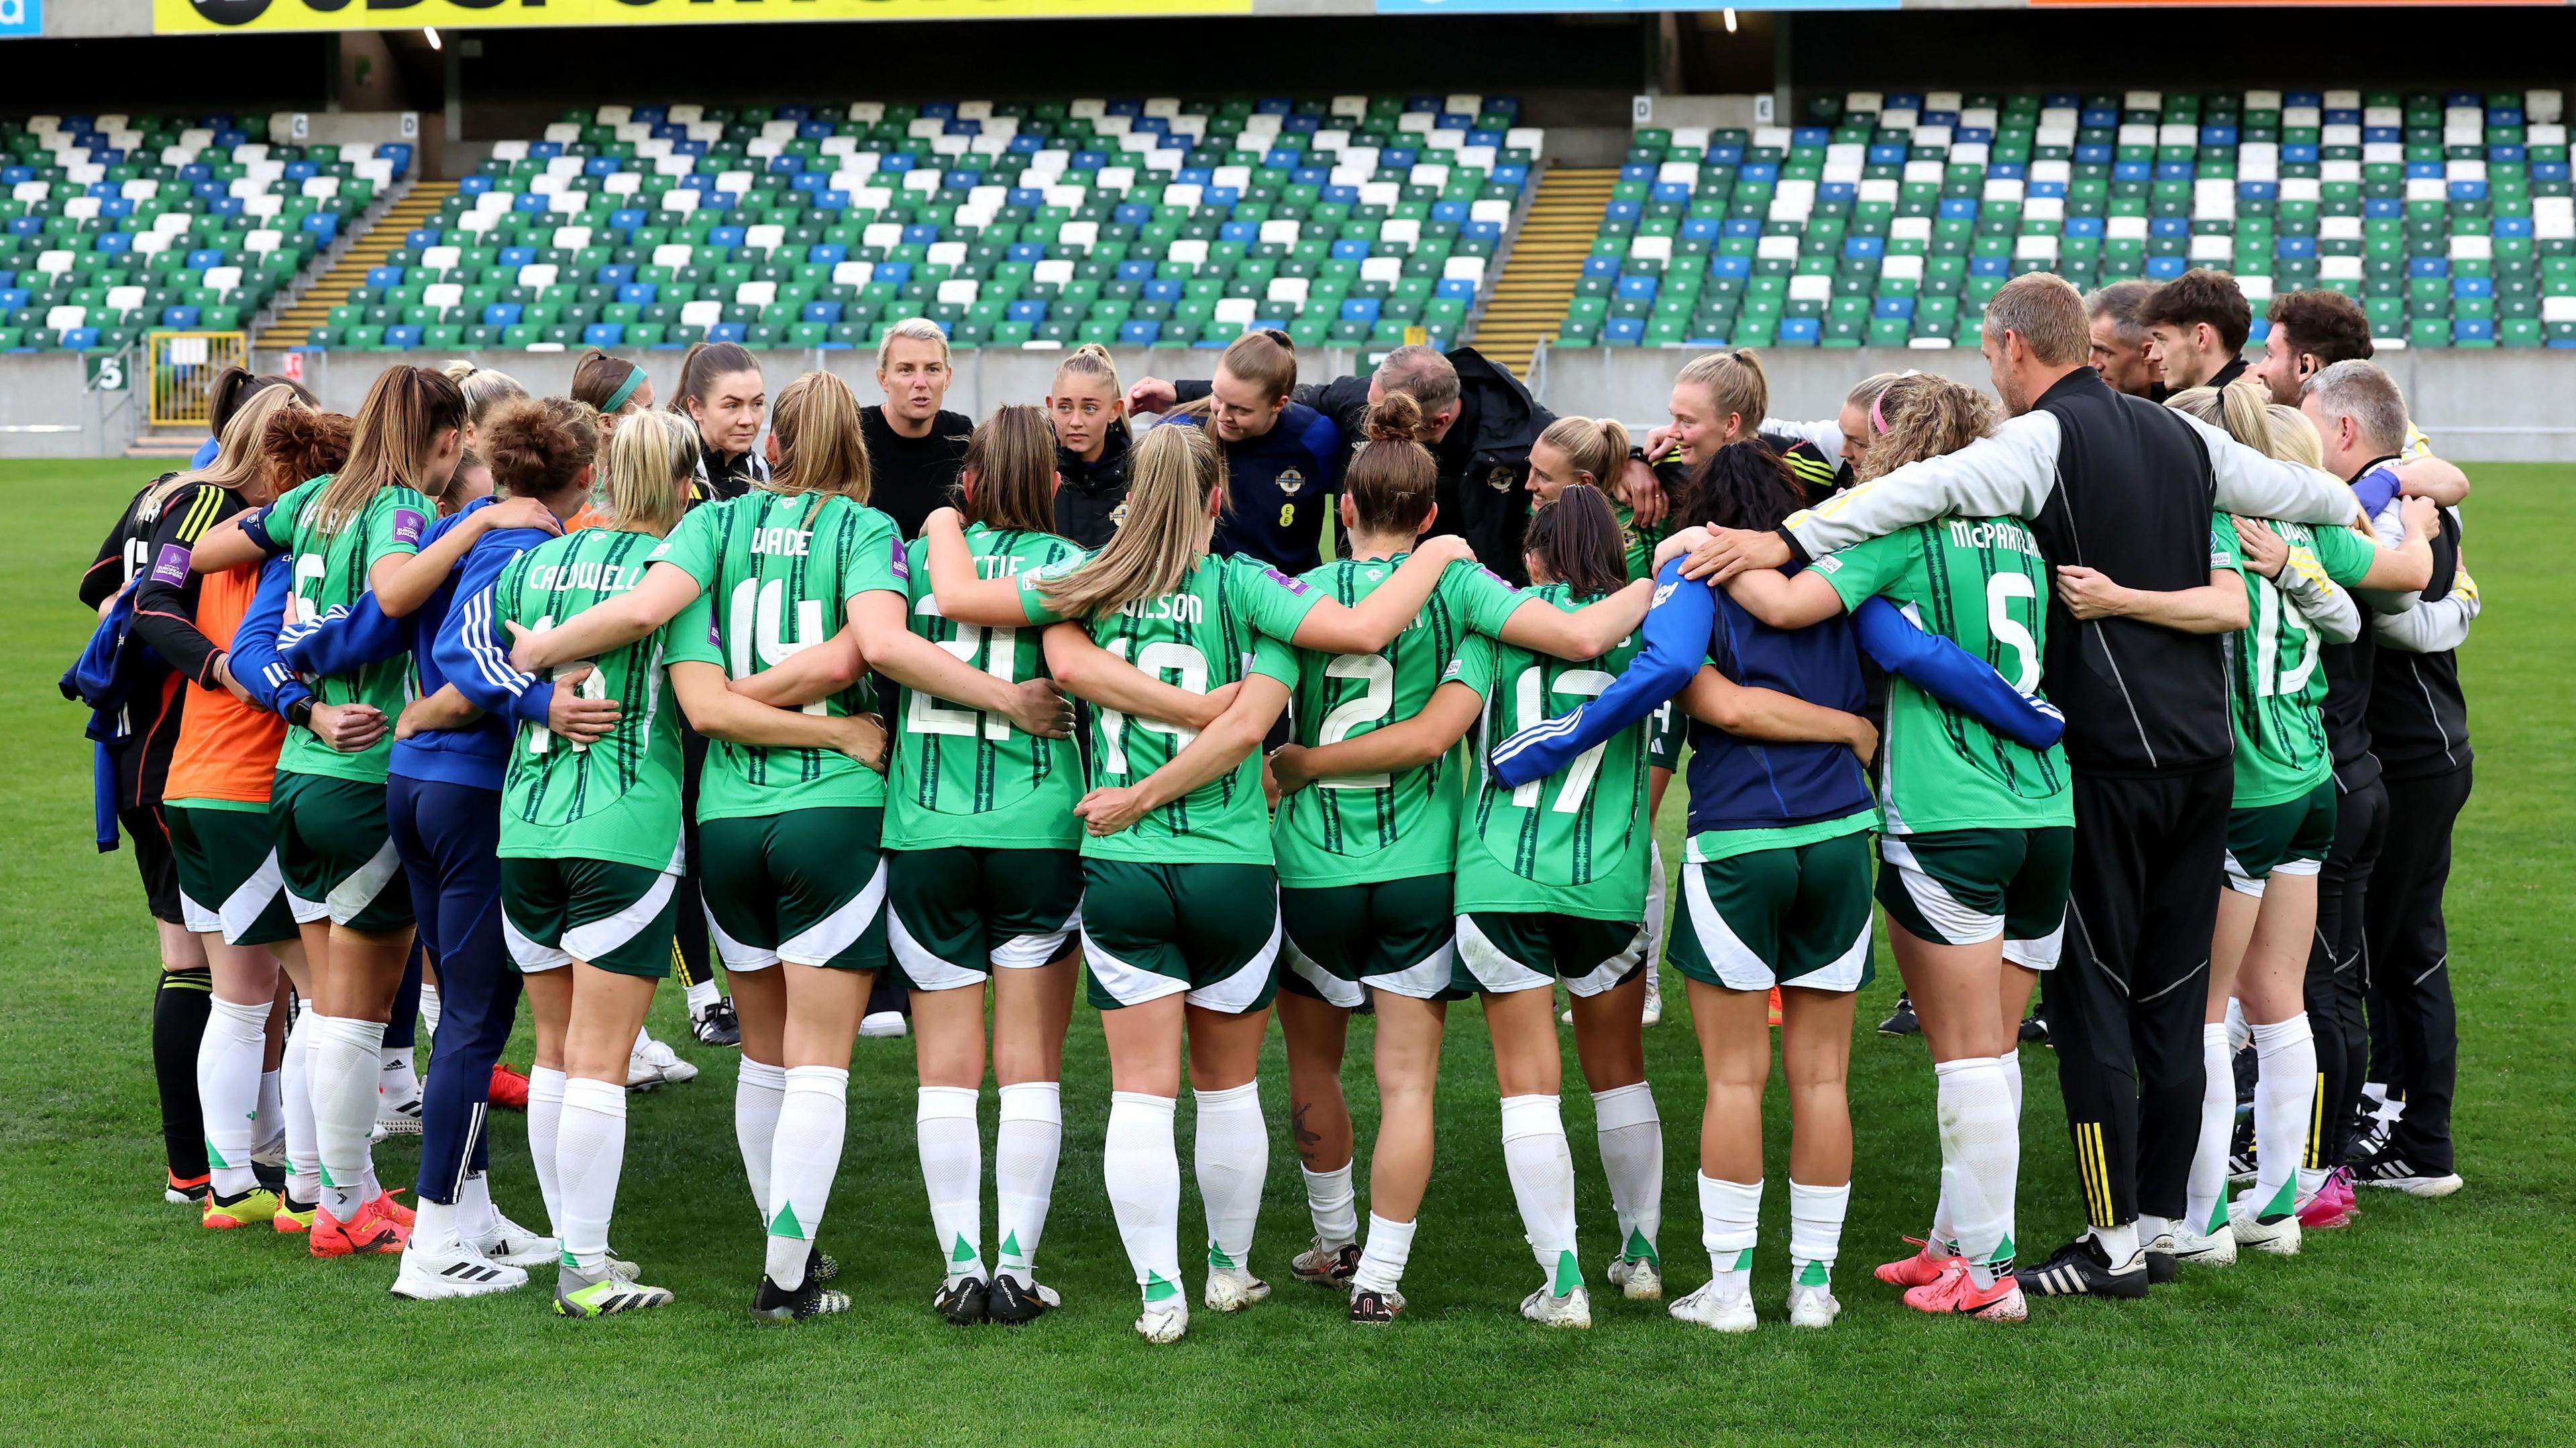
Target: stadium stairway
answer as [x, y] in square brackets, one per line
[294, 323]
[1537, 283]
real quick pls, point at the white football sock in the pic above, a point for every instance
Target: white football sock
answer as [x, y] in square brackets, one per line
[1632, 1157]
[435, 1229]
[346, 1062]
[1945, 1230]
[271, 1112]
[1333, 1205]
[228, 1078]
[430, 1007]
[951, 1139]
[590, 1155]
[813, 1117]
[545, 1132]
[2206, 1206]
[2239, 1029]
[1541, 1167]
[2151, 1226]
[2119, 1243]
[1815, 1231]
[395, 1078]
[1655, 914]
[1233, 1162]
[1026, 1145]
[1143, 1170]
[758, 1087]
[1382, 1257]
[702, 995]
[1980, 1161]
[1730, 1222]
[295, 1095]
[2285, 1092]
[474, 1214]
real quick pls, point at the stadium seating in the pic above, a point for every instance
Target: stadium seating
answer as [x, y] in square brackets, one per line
[1137, 222]
[1891, 218]
[120, 225]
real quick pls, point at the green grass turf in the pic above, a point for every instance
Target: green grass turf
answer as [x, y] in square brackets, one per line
[2431, 1322]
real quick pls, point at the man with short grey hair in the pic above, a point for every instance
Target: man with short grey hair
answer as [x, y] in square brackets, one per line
[2360, 401]
[2119, 493]
[2398, 723]
[2120, 348]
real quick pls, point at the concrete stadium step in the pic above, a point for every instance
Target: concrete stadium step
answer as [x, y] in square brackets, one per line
[311, 307]
[1546, 259]
[177, 443]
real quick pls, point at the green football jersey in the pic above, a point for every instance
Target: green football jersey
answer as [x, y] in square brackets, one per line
[1982, 584]
[1575, 842]
[617, 799]
[1229, 619]
[1358, 829]
[2276, 691]
[1641, 540]
[964, 777]
[778, 572]
[331, 570]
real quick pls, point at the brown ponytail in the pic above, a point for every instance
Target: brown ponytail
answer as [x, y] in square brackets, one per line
[1393, 481]
[1012, 460]
[1577, 539]
[1171, 475]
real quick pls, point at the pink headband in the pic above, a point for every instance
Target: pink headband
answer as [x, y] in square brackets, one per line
[1878, 413]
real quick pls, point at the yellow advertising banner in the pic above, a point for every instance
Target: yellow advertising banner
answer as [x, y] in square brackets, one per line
[223, 17]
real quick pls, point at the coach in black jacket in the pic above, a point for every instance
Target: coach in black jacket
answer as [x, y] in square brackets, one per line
[1481, 422]
[2117, 490]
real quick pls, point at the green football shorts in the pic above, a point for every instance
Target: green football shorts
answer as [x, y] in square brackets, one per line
[1965, 887]
[2290, 838]
[1395, 935]
[807, 887]
[334, 848]
[955, 914]
[229, 880]
[1500, 952]
[614, 916]
[1795, 916]
[1149, 931]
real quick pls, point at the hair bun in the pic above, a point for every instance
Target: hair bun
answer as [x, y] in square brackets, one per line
[1394, 417]
[1282, 338]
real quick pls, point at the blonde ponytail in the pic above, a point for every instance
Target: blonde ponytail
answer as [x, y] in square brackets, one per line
[1172, 474]
[651, 458]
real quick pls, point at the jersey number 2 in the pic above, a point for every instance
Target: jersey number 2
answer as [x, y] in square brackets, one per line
[1371, 706]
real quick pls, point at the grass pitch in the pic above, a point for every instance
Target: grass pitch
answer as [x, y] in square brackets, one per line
[2439, 1322]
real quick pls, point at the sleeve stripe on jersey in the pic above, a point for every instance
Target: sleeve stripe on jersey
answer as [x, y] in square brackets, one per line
[1538, 734]
[201, 514]
[489, 659]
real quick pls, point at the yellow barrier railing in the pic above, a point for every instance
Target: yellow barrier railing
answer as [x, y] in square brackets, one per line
[183, 367]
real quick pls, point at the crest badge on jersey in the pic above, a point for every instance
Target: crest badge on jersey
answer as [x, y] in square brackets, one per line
[1290, 482]
[1500, 480]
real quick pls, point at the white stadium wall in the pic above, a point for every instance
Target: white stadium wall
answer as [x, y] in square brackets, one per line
[2478, 405]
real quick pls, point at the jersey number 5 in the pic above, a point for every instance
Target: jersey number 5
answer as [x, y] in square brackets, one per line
[2008, 632]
